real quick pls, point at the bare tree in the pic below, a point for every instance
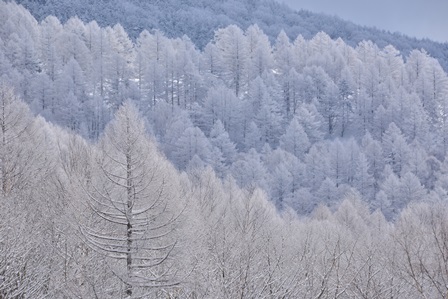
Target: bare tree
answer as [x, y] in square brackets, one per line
[134, 215]
[421, 238]
[22, 143]
[26, 219]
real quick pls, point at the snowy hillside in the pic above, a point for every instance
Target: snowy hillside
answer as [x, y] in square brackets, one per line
[200, 18]
[307, 121]
[148, 168]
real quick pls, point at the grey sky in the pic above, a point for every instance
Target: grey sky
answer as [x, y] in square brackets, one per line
[418, 18]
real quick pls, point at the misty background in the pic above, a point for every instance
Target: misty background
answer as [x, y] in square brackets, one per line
[421, 19]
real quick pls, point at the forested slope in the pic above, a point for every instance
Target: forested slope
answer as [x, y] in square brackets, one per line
[200, 18]
[307, 121]
[114, 219]
[92, 208]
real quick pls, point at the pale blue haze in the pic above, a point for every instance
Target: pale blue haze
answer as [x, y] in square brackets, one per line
[414, 18]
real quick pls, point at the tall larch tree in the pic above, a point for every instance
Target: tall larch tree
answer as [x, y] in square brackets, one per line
[132, 196]
[232, 46]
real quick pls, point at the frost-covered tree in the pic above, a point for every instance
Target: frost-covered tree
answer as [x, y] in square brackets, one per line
[363, 180]
[132, 197]
[253, 137]
[23, 144]
[311, 121]
[395, 149]
[192, 142]
[317, 167]
[249, 170]
[295, 139]
[220, 139]
[233, 65]
[221, 104]
[259, 52]
[30, 199]
[269, 121]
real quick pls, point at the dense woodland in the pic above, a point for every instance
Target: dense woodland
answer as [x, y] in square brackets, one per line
[152, 169]
[199, 19]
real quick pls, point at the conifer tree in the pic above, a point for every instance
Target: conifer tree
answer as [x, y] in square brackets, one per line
[132, 199]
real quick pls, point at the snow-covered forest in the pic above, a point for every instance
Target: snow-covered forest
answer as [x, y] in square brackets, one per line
[199, 19]
[302, 168]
